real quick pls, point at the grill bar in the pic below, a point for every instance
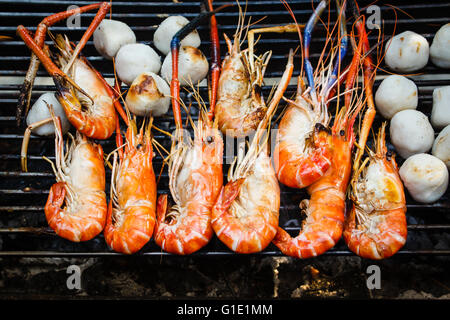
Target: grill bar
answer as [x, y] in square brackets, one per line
[271, 253]
[47, 230]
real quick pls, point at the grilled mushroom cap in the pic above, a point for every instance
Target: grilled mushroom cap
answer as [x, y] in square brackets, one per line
[148, 94]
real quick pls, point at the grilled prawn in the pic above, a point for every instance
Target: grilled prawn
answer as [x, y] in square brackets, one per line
[131, 211]
[376, 225]
[195, 179]
[245, 215]
[80, 176]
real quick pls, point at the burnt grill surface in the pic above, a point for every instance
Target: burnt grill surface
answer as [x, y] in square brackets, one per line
[23, 227]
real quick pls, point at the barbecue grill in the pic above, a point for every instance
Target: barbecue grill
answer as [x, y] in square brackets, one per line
[23, 229]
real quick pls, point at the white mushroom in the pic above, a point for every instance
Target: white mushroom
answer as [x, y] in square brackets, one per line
[440, 47]
[441, 146]
[411, 133]
[407, 51]
[425, 177]
[39, 111]
[148, 94]
[395, 93]
[110, 36]
[133, 59]
[192, 66]
[440, 114]
[167, 29]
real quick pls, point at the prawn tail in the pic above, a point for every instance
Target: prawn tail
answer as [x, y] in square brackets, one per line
[283, 241]
[227, 195]
[53, 213]
[55, 200]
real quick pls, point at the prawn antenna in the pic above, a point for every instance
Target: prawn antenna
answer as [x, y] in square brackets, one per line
[307, 41]
[194, 23]
[343, 42]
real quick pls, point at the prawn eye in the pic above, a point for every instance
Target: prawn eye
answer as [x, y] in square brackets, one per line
[138, 146]
[389, 155]
[342, 132]
[210, 139]
[320, 127]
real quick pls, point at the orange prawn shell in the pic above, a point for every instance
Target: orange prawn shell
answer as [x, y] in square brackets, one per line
[85, 217]
[297, 168]
[136, 189]
[198, 187]
[99, 119]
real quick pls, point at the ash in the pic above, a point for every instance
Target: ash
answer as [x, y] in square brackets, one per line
[232, 277]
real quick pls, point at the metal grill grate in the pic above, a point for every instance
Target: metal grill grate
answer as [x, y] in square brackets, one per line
[23, 228]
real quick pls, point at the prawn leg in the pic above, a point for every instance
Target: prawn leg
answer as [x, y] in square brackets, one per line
[37, 47]
[26, 139]
[215, 62]
[343, 40]
[343, 43]
[289, 28]
[369, 77]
